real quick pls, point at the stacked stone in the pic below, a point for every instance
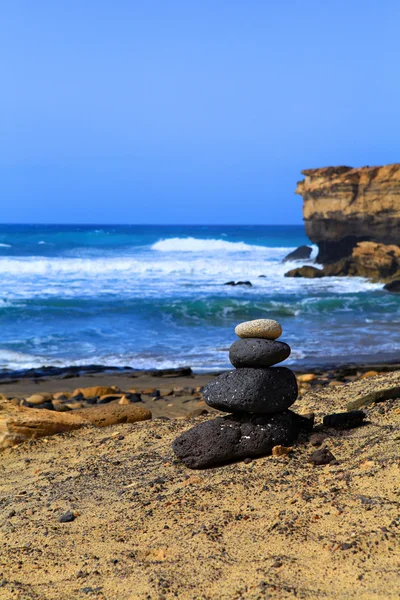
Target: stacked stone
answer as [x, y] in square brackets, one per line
[258, 396]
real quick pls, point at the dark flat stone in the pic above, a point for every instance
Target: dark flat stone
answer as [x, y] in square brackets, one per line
[134, 397]
[109, 398]
[345, 420]
[258, 391]
[46, 405]
[235, 437]
[257, 352]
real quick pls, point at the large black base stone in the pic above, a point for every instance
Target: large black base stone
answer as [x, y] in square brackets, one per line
[258, 391]
[257, 352]
[235, 437]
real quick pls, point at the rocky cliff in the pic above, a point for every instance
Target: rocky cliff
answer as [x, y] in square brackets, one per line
[344, 206]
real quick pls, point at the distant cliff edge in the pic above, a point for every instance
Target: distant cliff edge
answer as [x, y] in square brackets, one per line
[344, 206]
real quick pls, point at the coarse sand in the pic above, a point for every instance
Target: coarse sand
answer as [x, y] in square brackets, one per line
[147, 528]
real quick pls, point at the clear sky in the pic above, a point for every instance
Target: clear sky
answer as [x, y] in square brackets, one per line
[180, 111]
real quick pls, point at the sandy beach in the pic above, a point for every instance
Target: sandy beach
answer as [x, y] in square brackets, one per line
[145, 527]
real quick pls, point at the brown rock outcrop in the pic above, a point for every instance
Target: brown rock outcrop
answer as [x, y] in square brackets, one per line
[343, 206]
[307, 271]
[19, 424]
[379, 262]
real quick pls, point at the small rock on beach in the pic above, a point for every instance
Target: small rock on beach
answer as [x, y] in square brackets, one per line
[345, 420]
[321, 457]
[67, 517]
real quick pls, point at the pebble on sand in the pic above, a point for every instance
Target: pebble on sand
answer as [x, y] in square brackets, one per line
[259, 328]
[67, 517]
[321, 457]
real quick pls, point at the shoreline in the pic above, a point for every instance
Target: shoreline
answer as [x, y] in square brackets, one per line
[387, 362]
[167, 393]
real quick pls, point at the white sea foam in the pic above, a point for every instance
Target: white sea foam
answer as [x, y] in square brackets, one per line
[102, 266]
[5, 245]
[35, 276]
[191, 244]
[19, 360]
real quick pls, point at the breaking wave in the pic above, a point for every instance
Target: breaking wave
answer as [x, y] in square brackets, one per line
[191, 244]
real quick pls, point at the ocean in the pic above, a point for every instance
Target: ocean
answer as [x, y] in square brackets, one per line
[154, 297]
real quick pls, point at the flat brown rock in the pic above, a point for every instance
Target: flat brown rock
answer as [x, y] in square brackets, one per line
[112, 414]
[98, 390]
[19, 424]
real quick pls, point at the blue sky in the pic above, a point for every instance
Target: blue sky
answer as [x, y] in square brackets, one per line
[189, 112]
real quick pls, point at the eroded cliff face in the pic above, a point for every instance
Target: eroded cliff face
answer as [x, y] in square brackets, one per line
[343, 206]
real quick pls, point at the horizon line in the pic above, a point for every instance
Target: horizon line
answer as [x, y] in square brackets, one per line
[159, 224]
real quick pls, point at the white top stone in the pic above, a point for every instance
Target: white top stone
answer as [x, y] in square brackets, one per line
[260, 328]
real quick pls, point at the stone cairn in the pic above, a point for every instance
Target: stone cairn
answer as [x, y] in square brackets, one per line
[257, 395]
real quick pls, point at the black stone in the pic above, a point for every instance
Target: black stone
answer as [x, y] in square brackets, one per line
[258, 391]
[321, 457]
[134, 397]
[300, 253]
[109, 398]
[177, 372]
[235, 437]
[393, 286]
[345, 420]
[257, 352]
[305, 423]
[46, 405]
[317, 439]
[93, 400]
[67, 517]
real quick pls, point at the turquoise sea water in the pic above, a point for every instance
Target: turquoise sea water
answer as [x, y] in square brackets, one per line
[153, 297]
